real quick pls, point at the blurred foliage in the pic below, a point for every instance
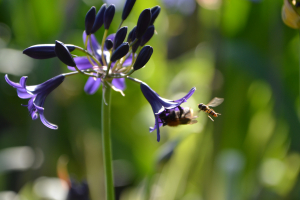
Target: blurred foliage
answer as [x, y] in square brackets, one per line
[236, 49]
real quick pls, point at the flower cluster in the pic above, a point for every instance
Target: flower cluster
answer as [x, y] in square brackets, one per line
[108, 63]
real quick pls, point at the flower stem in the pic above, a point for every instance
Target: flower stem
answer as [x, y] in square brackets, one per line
[106, 142]
[120, 24]
[134, 79]
[134, 41]
[88, 55]
[102, 46]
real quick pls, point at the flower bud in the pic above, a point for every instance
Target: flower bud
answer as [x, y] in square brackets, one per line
[148, 35]
[289, 15]
[120, 37]
[143, 23]
[143, 57]
[154, 13]
[78, 191]
[44, 51]
[99, 19]
[89, 20]
[127, 8]
[108, 44]
[131, 35]
[121, 51]
[109, 15]
[64, 54]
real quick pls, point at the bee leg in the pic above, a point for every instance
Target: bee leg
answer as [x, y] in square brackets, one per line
[210, 117]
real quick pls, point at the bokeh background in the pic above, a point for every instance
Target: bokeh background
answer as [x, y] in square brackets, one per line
[236, 49]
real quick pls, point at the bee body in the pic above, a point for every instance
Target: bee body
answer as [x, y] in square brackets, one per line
[214, 102]
[178, 117]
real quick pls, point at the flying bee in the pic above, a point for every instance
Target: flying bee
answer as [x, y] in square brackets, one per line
[178, 117]
[213, 103]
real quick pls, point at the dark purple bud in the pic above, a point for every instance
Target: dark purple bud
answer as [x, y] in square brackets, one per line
[143, 23]
[89, 20]
[127, 8]
[135, 46]
[43, 51]
[148, 35]
[120, 37]
[99, 19]
[131, 35]
[108, 44]
[143, 57]
[64, 54]
[109, 15]
[121, 51]
[154, 12]
[78, 191]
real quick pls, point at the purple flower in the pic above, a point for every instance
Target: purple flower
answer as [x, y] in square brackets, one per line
[93, 84]
[78, 191]
[160, 105]
[37, 95]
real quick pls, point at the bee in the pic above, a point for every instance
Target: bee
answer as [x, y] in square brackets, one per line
[291, 13]
[176, 117]
[213, 103]
[295, 3]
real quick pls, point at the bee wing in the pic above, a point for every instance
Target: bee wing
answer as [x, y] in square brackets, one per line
[193, 121]
[189, 113]
[215, 102]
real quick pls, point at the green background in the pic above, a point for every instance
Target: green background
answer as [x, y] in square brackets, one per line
[239, 50]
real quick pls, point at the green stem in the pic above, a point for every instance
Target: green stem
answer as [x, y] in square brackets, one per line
[299, 73]
[106, 143]
[134, 79]
[102, 46]
[135, 41]
[88, 54]
[70, 73]
[86, 41]
[120, 24]
[108, 68]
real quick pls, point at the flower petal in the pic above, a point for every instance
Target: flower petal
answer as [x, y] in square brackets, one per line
[128, 61]
[160, 123]
[45, 121]
[95, 43]
[13, 84]
[21, 87]
[23, 94]
[82, 63]
[46, 87]
[157, 128]
[186, 97]
[97, 48]
[157, 103]
[92, 85]
[119, 83]
[32, 109]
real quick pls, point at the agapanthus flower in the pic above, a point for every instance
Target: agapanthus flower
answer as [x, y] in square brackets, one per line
[78, 191]
[93, 84]
[37, 95]
[161, 105]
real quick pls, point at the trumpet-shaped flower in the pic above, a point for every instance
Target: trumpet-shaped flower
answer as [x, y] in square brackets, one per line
[160, 105]
[93, 84]
[37, 95]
